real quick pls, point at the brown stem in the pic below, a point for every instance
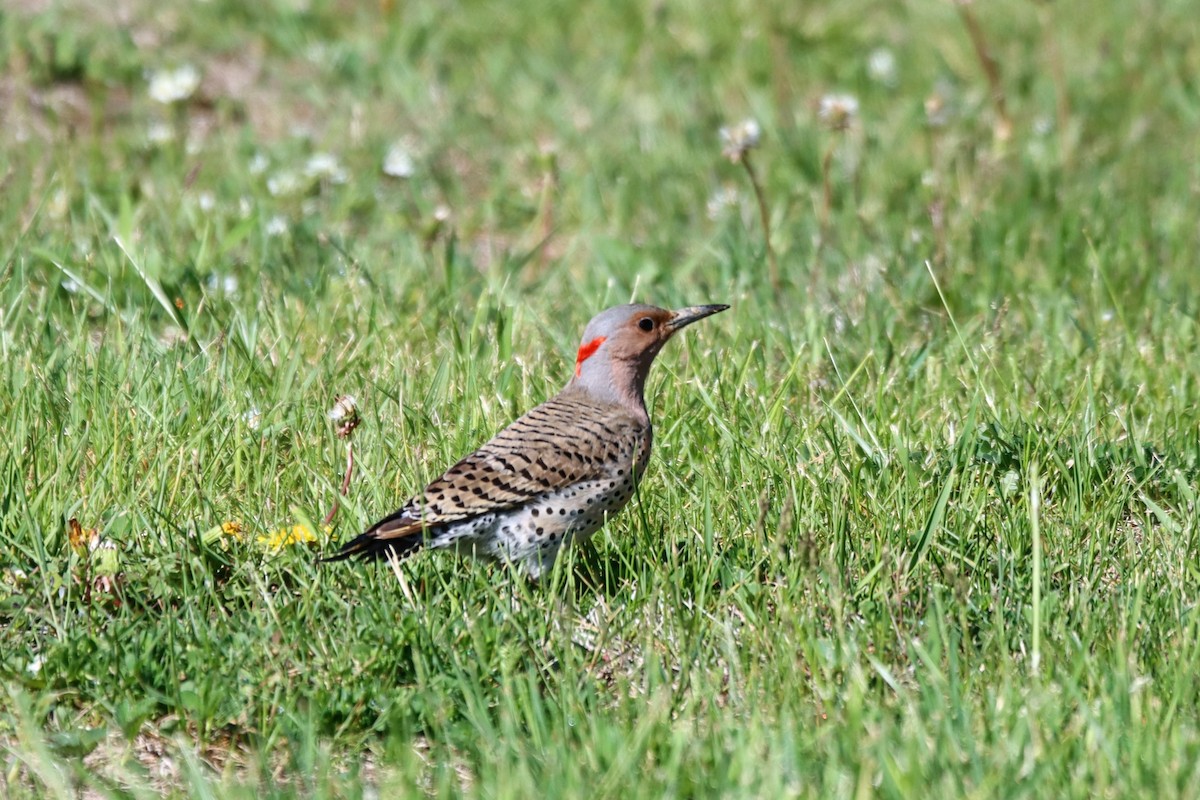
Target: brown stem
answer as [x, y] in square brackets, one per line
[764, 215]
[991, 69]
[827, 190]
[1058, 74]
[549, 184]
[345, 483]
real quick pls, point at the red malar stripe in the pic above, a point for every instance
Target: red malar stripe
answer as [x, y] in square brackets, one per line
[587, 351]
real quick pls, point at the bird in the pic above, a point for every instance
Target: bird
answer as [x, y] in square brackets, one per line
[556, 474]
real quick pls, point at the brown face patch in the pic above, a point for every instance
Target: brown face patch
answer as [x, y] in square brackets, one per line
[642, 334]
[651, 325]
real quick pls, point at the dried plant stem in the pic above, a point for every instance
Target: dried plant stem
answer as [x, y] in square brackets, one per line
[1059, 76]
[546, 214]
[345, 483]
[1003, 128]
[764, 215]
[827, 189]
[937, 206]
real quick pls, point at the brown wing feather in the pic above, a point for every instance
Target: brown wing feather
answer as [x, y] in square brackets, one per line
[566, 440]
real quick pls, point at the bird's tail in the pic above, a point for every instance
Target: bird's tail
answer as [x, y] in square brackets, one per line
[398, 535]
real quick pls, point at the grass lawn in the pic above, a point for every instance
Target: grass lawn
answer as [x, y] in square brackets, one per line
[921, 519]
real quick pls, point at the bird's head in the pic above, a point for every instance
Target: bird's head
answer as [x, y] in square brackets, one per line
[620, 344]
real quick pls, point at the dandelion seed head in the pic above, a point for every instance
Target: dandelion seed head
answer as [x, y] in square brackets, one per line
[344, 407]
[345, 413]
[838, 111]
[738, 140]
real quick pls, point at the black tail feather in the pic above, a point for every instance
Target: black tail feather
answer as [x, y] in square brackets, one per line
[382, 539]
[367, 547]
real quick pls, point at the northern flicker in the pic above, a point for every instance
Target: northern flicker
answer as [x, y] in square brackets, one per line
[557, 473]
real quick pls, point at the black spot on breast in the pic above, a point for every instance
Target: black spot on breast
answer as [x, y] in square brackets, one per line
[535, 512]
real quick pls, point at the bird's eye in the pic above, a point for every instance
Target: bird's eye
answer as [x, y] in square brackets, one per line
[646, 324]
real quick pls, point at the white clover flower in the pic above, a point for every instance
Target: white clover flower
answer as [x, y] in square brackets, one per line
[325, 166]
[881, 66]
[721, 201]
[258, 165]
[194, 143]
[35, 666]
[284, 183]
[60, 203]
[252, 417]
[206, 201]
[277, 226]
[227, 284]
[399, 163]
[159, 133]
[174, 85]
[838, 110]
[738, 140]
[441, 213]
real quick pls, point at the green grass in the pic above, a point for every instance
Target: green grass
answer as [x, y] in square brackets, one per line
[921, 520]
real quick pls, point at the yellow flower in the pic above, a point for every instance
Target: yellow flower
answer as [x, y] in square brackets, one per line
[232, 529]
[286, 537]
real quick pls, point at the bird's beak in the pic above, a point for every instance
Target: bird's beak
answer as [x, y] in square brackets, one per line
[686, 316]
